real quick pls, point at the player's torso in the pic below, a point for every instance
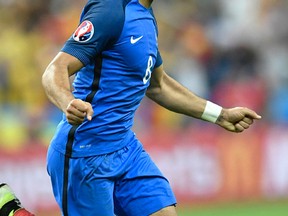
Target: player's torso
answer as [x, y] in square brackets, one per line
[137, 43]
[124, 72]
[128, 64]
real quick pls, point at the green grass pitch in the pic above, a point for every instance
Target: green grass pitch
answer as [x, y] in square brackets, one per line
[265, 208]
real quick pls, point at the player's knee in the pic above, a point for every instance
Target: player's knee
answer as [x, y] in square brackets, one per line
[167, 211]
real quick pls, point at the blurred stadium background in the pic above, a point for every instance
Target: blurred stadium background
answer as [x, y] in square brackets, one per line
[231, 52]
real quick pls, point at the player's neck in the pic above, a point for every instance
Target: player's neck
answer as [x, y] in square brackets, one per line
[146, 3]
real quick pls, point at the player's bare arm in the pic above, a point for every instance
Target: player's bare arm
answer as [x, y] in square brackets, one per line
[168, 93]
[56, 83]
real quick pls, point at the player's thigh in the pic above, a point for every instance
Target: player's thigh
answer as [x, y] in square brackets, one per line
[143, 190]
[91, 190]
[55, 169]
[82, 191]
[92, 198]
[144, 196]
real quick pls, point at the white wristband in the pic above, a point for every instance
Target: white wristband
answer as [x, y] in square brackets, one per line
[212, 112]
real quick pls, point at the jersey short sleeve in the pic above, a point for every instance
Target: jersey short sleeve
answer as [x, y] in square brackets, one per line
[100, 25]
[159, 60]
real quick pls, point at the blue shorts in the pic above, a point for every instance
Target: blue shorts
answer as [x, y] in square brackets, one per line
[125, 182]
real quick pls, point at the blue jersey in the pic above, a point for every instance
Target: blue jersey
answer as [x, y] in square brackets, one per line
[117, 43]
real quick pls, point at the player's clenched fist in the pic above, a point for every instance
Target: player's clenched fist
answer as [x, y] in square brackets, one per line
[77, 110]
[237, 119]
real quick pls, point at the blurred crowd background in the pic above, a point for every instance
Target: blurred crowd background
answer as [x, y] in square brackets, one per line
[231, 52]
[234, 53]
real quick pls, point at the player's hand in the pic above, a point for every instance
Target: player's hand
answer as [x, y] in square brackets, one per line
[237, 119]
[77, 110]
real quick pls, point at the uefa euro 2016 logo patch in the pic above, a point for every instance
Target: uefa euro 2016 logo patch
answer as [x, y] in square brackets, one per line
[84, 32]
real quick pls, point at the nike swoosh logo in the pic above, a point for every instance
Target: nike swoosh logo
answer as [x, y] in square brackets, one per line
[135, 40]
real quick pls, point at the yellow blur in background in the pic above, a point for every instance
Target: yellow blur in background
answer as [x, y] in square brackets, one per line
[231, 52]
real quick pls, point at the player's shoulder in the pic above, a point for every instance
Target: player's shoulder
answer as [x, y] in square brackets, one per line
[107, 15]
[101, 24]
[116, 6]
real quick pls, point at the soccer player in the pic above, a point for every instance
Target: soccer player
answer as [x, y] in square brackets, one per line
[96, 164]
[9, 204]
